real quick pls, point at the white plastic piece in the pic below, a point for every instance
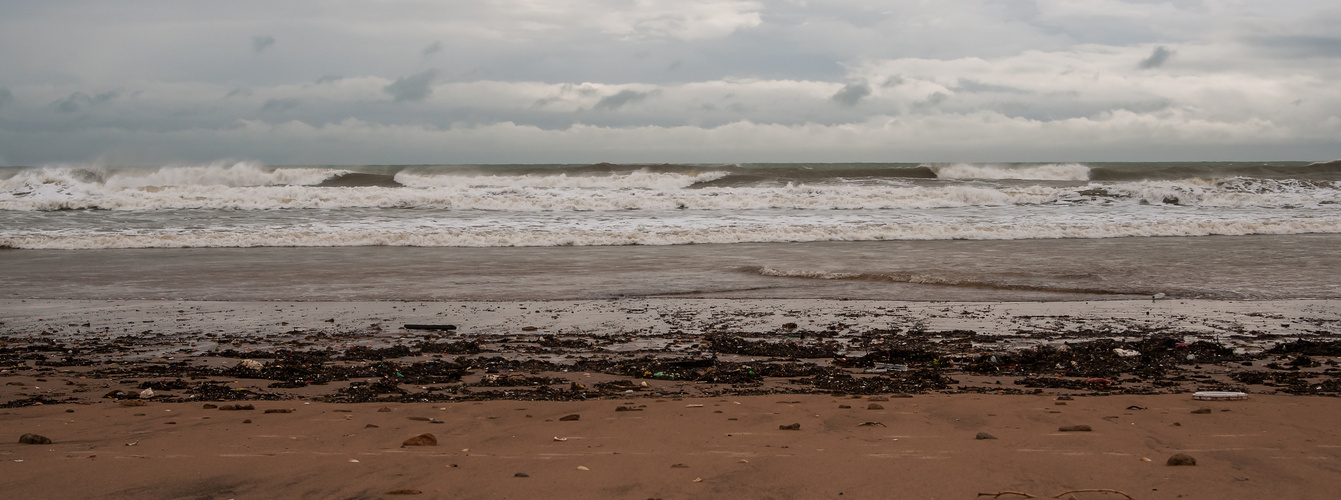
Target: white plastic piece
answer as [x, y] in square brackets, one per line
[1219, 396]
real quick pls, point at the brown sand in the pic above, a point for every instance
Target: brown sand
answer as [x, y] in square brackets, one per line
[923, 447]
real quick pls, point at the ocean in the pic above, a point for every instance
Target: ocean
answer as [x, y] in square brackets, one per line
[897, 231]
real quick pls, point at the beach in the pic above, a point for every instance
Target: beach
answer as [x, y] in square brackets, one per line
[675, 398]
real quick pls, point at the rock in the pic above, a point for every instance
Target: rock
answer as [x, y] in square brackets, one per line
[237, 407]
[627, 408]
[383, 410]
[871, 424]
[844, 407]
[521, 474]
[370, 426]
[250, 364]
[210, 406]
[1075, 428]
[569, 418]
[1181, 459]
[405, 491]
[279, 410]
[874, 406]
[984, 435]
[247, 421]
[424, 439]
[421, 419]
[34, 439]
[1201, 411]
[792, 427]
[679, 466]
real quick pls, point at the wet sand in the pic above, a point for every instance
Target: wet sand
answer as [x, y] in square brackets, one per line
[889, 398]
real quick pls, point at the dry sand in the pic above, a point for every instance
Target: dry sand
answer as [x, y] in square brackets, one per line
[676, 442]
[922, 447]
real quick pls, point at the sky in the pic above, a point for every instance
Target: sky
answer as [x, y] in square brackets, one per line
[698, 81]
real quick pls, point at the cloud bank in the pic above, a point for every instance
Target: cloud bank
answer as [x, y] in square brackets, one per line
[654, 81]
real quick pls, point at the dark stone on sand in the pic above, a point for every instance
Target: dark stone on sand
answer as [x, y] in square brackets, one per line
[1181, 459]
[405, 491]
[279, 410]
[1064, 398]
[247, 421]
[424, 439]
[679, 466]
[34, 439]
[871, 424]
[627, 408]
[792, 427]
[421, 419]
[521, 474]
[237, 407]
[69, 411]
[844, 407]
[874, 406]
[210, 406]
[383, 409]
[984, 435]
[569, 418]
[1075, 428]
[371, 426]
[1201, 411]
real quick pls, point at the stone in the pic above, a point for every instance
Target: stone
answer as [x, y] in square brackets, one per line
[279, 410]
[874, 406]
[237, 407]
[1075, 428]
[569, 418]
[792, 427]
[521, 474]
[1201, 411]
[34, 439]
[627, 408]
[383, 410]
[210, 406]
[1181, 459]
[405, 491]
[984, 435]
[424, 439]
[370, 426]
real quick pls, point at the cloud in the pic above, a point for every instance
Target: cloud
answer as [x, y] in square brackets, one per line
[851, 93]
[279, 105]
[413, 88]
[261, 42]
[6, 97]
[1304, 46]
[329, 79]
[623, 97]
[1157, 58]
[76, 101]
[432, 48]
[238, 92]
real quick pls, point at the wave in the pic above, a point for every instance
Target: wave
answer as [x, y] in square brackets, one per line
[542, 235]
[1049, 172]
[937, 280]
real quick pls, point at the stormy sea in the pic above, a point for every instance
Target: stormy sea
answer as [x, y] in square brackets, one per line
[896, 231]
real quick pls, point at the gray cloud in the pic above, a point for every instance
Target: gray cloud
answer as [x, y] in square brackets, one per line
[261, 42]
[6, 97]
[432, 48]
[415, 87]
[238, 92]
[1301, 45]
[329, 79]
[76, 101]
[1157, 58]
[975, 86]
[621, 98]
[279, 105]
[851, 93]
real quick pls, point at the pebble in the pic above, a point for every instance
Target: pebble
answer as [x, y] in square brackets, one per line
[1181, 459]
[569, 418]
[1201, 411]
[1075, 428]
[424, 439]
[279, 410]
[34, 439]
[792, 427]
[521, 474]
[874, 406]
[405, 491]
[984, 435]
[237, 407]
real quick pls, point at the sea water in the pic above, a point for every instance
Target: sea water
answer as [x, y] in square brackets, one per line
[240, 230]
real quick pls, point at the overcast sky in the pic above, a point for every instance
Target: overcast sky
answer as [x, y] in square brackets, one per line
[562, 81]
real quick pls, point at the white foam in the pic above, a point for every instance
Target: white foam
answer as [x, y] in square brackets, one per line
[531, 234]
[1048, 172]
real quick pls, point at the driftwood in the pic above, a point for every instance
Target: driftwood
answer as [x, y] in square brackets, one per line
[1059, 495]
[430, 327]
